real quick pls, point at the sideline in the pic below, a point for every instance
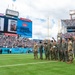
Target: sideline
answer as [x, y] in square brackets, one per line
[13, 65]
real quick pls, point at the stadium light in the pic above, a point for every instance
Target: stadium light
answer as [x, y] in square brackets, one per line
[72, 12]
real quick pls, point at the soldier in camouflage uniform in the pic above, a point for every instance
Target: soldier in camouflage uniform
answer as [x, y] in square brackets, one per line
[49, 45]
[74, 46]
[70, 51]
[41, 50]
[64, 50]
[51, 51]
[55, 50]
[46, 50]
[35, 49]
[59, 45]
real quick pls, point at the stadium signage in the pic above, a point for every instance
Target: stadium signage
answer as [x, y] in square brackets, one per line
[24, 19]
[24, 28]
[12, 13]
[9, 34]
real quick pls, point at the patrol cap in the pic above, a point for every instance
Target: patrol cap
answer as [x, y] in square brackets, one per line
[40, 42]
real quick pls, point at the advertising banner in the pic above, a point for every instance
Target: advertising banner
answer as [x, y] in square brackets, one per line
[24, 28]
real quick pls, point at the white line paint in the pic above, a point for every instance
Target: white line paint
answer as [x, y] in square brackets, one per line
[26, 64]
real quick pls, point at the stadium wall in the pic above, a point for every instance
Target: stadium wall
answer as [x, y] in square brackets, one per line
[15, 50]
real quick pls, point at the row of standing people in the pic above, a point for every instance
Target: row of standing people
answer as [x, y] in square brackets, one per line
[61, 50]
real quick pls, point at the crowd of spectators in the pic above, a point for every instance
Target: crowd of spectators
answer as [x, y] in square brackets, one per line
[12, 42]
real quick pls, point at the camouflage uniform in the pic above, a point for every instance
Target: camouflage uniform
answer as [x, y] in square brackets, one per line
[64, 51]
[41, 50]
[70, 51]
[35, 51]
[59, 46]
[70, 54]
[74, 47]
[46, 51]
[49, 45]
[54, 53]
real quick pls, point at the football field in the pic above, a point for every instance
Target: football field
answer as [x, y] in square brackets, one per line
[24, 64]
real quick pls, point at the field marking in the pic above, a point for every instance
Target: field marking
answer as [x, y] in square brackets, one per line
[26, 64]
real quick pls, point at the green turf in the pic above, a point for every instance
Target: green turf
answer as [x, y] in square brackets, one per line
[49, 68]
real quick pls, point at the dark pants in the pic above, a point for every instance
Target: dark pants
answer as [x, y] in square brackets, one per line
[46, 54]
[41, 54]
[0, 51]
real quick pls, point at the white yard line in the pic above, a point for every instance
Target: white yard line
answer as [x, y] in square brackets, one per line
[26, 64]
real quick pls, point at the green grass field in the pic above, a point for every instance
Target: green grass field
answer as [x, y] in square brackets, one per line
[24, 64]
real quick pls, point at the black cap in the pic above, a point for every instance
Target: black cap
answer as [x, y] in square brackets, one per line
[40, 42]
